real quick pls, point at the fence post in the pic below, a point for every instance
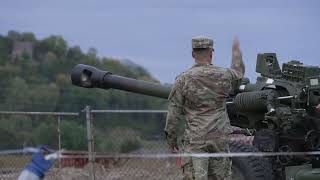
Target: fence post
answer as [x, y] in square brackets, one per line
[90, 143]
[59, 140]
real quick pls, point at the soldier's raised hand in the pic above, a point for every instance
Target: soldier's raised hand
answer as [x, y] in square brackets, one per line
[235, 44]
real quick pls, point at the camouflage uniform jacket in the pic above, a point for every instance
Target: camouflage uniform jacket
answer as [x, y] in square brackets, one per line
[199, 98]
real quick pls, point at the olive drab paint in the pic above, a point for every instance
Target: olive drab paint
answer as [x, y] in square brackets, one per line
[287, 117]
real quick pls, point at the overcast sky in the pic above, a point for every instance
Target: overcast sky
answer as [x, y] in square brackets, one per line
[157, 34]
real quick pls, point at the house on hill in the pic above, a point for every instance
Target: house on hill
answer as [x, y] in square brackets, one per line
[21, 50]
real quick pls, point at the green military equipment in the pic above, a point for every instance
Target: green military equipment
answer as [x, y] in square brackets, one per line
[280, 107]
[302, 172]
[268, 66]
[91, 77]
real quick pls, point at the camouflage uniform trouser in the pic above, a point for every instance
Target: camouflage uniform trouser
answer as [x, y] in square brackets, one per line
[205, 168]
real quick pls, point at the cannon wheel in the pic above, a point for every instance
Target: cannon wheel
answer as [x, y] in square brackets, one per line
[249, 168]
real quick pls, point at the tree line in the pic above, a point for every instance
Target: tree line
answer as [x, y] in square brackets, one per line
[41, 82]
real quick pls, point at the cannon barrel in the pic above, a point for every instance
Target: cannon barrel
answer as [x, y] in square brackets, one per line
[91, 77]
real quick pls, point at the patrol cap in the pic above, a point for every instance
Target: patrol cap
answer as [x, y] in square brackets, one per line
[202, 42]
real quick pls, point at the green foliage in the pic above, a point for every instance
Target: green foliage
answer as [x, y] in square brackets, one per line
[7, 139]
[118, 139]
[74, 53]
[19, 128]
[14, 35]
[45, 133]
[16, 97]
[25, 56]
[28, 36]
[43, 84]
[92, 53]
[73, 136]
[130, 145]
[5, 46]
[56, 44]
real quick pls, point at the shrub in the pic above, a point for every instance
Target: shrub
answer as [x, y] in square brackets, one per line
[130, 145]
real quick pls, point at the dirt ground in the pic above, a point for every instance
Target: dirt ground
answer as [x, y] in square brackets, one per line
[124, 169]
[131, 169]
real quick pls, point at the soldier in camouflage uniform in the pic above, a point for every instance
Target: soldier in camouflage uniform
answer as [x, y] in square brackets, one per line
[198, 97]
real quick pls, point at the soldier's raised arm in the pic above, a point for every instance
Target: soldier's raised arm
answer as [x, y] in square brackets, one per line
[237, 66]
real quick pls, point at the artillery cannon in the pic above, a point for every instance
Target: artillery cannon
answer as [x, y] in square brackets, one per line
[279, 107]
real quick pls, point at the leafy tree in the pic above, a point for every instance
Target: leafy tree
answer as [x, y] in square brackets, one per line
[28, 36]
[25, 56]
[14, 35]
[74, 53]
[92, 53]
[5, 49]
[73, 136]
[45, 133]
[43, 84]
[44, 97]
[8, 72]
[20, 127]
[50, 57]
[56, 44]
[7, 139]
[130, 145]
[17, 97]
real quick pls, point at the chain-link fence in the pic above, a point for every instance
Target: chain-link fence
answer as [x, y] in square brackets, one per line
[20, 130]
[108, 134]
[132, 144]
[114, 145]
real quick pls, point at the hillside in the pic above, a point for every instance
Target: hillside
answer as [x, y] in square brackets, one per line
[35, 77]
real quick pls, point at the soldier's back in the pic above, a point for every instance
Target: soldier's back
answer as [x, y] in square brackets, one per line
[205, 90]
